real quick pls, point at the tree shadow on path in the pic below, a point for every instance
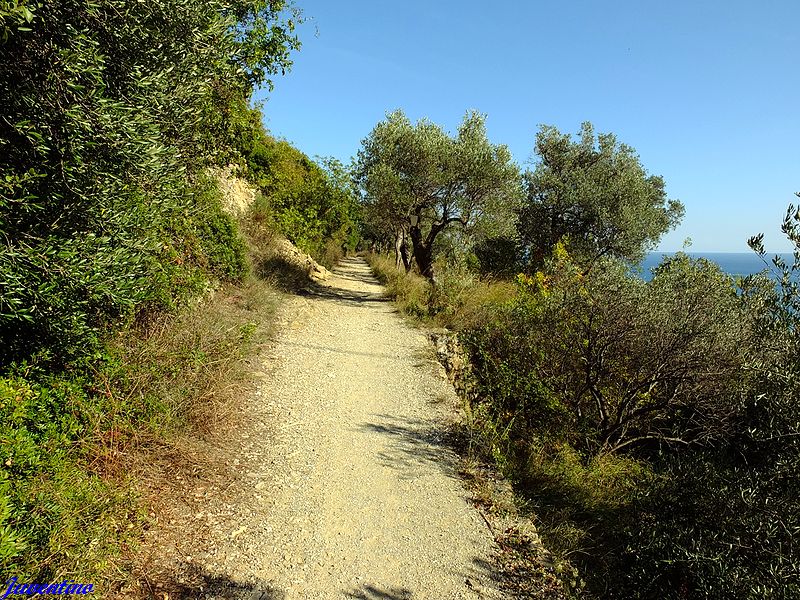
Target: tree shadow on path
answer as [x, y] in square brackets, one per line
[195, 583]
[371, 592]
[415, 445]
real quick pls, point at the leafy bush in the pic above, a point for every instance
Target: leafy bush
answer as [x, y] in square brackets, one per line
[107, 111]
[211, 235]
[109, 114]
[499, 256]
[63, 292]
[615, 361]
[312, 204]
[714, 526]
[723, 521]
[602, 382]
[51, 508]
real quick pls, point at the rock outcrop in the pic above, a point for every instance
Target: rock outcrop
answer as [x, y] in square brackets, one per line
[237, 194]
[455, 361]
[293, 255]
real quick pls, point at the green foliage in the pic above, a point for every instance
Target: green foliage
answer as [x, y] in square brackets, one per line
[15, 15]
[630, 363]
[108, 110]
[597, 193]
[723, 521]
[714, 526]
[63, 291]
[623, 403]
[498, 256]
[216, 245]
[313, 204]
[406, 170]
[263, 41]
[461, 299]
[110, 114]
[51, 508]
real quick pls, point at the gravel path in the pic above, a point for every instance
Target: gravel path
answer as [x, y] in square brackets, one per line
[373, 509]
[346, 488]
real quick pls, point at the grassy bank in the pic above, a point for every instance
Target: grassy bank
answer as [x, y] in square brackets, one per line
[79, 441]
[460, 299]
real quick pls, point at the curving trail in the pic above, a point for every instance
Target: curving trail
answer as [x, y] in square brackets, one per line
[347, 489]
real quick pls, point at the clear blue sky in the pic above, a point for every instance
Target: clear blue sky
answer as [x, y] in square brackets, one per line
[708, 93]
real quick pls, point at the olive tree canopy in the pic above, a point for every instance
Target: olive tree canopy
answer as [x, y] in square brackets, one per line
[419, 180]
[596, 193]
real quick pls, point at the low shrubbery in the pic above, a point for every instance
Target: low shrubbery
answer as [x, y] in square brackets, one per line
[72, 434]
[409, 290]
[459, 299]
[646, 425]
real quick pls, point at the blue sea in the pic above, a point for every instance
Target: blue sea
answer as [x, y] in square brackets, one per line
[732, 263]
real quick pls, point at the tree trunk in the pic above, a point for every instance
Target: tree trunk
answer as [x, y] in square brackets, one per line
[401, 250]
[423, 253]
[404, 255]
[398, 245]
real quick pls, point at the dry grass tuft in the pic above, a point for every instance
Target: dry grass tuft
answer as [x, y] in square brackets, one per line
[460, 300]
[410, 291]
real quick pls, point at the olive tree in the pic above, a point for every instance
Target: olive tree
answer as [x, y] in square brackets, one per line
[735, 500]
[420, 181]
[615, 363]
[595, 193]
[109, 113]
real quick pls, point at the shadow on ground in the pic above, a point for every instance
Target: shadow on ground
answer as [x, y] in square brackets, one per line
[194, 583]
[293, 278]
[284, 274]
[341, 295]
[350, 269]
[371, 592]
[415, 444]
[482, 573]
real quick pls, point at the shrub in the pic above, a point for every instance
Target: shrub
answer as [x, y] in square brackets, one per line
[599, 380]
[312, 204]
[108, 113]
[723, 521]
[615, 361]
[409, 290]
[218, 246]
[713, 526]
[108, 110]
[499, 256]
[51, 508]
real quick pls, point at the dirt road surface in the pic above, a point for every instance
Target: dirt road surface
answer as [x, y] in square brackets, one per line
[346, 488]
